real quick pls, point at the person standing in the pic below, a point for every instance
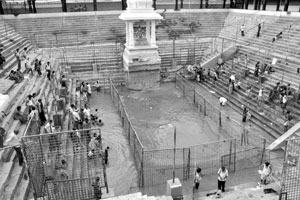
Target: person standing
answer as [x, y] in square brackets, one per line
[89, 89]
[260, 96]
[14, 141]
[258, 30]
[197, 178]
[245, 112]
[18, 57]
[2, 60]
[222, 177]
[48, 70]
[243, 30]
[105, 156]
[256, 70]
[40, 108]
[29, 103]
[97, 189]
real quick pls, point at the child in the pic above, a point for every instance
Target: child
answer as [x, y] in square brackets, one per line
[197, 178]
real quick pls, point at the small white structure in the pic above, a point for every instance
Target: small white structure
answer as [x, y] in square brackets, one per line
[141, 59]
[4, 102]
[174, 189]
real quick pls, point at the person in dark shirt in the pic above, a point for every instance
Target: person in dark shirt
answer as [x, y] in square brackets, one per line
[97, 189]
[105, 156]
[2, 60]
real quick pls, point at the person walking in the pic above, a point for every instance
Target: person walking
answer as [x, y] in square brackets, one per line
[222, 177]
[260, 96]
[14, 141]
[258, 30]
[245, 112]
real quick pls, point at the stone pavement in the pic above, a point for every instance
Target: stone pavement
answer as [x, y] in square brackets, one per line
[243, 192]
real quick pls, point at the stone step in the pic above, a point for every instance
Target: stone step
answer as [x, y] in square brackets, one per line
[13, 183]
[22, 192]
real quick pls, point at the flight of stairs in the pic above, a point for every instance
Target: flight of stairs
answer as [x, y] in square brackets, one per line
[139, 196]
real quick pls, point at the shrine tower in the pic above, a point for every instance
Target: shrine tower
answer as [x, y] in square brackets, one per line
[140, 58]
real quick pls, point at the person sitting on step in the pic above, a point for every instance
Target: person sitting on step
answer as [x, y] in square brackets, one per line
[19, 115]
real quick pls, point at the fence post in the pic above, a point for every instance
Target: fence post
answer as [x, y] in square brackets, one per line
[183, 90]
[142, 167]
[234, 155]
[204, 107]
[220, 119]
[189, 163]
[183, 165]
[263, 151]
[128, 132]
[230, 153]
[194, 96]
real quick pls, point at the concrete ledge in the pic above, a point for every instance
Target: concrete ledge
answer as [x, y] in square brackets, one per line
[227, 53]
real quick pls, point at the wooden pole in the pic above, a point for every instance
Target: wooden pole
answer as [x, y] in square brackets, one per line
[174, 154]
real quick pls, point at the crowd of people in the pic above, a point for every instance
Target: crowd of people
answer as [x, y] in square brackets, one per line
[80, 8]
[84, 119]
[27, 66]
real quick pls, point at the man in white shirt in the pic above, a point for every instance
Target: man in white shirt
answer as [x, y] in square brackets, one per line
[243, 30]
[222, 177]
[89, 89]
[34, 115]
[49, 128]
[223, 101]
[14, 141]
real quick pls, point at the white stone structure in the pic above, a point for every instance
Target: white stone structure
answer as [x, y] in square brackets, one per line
[141, 59]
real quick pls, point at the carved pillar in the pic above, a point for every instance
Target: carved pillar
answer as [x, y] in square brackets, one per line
[148, 35]
[131, 33]
[153, 36]
[127, 33]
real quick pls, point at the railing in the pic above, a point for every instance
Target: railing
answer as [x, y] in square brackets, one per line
[244, 133]
[135, 143]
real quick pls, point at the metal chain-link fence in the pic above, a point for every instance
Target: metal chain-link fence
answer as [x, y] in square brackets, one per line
[136, 147]
[291, 171]
[155, 166]
[71, 158]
